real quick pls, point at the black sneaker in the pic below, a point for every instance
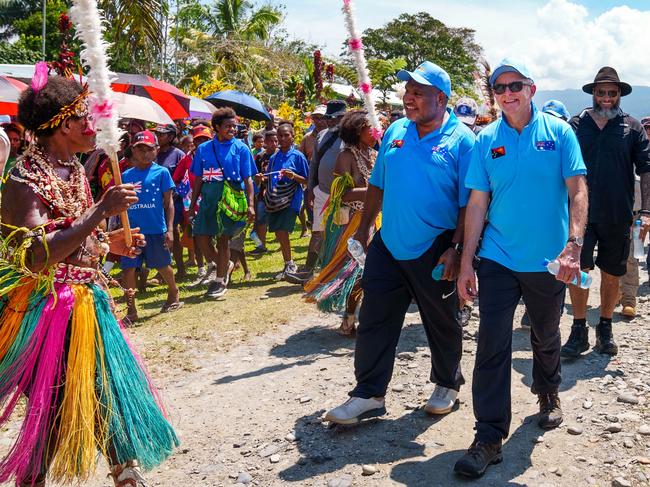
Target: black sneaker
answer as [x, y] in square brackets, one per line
[259, 250]
[604, 340]
[550, 412]
[577, 343]
[478, 458]
[216, 289]
[299, 277]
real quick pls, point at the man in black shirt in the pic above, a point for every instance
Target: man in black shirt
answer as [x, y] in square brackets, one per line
[614, 145]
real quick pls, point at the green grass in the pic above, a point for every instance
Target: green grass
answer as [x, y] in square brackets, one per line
[248, 308]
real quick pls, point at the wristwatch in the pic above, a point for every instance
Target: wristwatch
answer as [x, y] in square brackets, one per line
[579, 241]
[458, 247]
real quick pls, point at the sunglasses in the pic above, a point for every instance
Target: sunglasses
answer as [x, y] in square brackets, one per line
[514, 87]
[608, 93]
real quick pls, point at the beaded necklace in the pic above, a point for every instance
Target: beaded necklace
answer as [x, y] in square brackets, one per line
[69, 198]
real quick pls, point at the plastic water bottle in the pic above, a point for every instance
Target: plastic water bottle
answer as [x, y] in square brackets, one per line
[356, 251]
[553, 266]
[637, 242]
[256, 239]
[437, 272]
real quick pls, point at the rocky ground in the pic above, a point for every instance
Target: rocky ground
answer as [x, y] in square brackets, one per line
[252, 416]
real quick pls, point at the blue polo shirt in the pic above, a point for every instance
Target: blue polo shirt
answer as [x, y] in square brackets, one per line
[150, 185]
[423, 180]
[213, 158]
[528, 216]
[294, 160]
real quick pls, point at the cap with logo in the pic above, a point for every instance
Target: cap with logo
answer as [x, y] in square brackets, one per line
[466, 110]
[429, 74]
[319, 110]
[145, 137]
[167, 128]
[508, 65]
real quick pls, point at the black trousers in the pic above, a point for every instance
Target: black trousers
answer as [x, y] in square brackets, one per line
[499, 292]
[388, 287]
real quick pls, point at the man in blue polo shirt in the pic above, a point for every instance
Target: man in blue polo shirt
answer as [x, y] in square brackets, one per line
[418, 183]
[526, 165]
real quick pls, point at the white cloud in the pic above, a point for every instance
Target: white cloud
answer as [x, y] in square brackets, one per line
[563, 45]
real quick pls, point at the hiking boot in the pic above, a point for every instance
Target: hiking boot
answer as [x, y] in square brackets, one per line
[478, 458]
[355, 409]
[629, 311]
[550, 413]
[289, 268]
[577, 343]
[441, 401]
[216, 289]
[299, 277]
[604, 341]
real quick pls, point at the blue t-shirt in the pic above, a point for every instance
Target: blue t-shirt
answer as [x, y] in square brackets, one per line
[528, 216]
[294, 160]
[213, 158]
[150, 185]
[423, 180]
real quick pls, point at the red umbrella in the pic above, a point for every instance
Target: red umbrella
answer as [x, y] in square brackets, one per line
[171, 99]
[10, 90]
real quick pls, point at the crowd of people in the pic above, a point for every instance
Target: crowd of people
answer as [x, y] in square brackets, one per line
[446, 208]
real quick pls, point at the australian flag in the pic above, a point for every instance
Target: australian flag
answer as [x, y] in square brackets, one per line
[545, 145]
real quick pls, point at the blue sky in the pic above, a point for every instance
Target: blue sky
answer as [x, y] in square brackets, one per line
[564, 42]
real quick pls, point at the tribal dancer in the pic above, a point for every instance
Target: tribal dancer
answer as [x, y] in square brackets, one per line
[61, 344]
[337, 287]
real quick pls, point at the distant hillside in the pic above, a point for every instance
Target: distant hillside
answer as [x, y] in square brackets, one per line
[636, 104]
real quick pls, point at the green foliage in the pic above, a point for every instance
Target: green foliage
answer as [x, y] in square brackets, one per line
[29, 31]
[420, 37]
[12, 10]
[16, 53]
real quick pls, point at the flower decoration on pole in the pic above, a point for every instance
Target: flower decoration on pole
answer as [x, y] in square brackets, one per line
[365, 85]
[88, 21]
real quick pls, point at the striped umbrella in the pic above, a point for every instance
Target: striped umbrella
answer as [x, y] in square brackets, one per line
[10, 90]
[171, 99]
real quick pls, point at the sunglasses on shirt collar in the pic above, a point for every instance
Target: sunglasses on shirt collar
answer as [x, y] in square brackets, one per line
[514, 87]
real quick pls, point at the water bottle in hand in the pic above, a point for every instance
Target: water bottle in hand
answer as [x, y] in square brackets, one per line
[637, 242]
[356, 251]
[553, 266]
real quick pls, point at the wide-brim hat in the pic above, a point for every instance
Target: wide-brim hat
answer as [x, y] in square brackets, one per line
[335, 108]
[607, 75]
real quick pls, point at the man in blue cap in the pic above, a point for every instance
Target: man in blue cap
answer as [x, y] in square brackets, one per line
[557, 109]
[526, 166]
[418, 184]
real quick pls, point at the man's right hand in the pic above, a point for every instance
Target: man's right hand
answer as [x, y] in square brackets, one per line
[259, 178]
[118, 199]
[466, 283]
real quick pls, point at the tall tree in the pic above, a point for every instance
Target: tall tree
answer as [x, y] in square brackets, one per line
[12, 10]
[240, 19]
[420, 37]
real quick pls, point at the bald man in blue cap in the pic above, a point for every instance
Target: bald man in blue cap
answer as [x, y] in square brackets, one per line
[418, 184]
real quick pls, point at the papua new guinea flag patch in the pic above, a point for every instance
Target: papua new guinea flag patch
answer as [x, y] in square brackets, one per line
[498, 152]
[397, 144]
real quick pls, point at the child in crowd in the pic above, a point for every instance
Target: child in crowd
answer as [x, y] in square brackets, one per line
[154, 215]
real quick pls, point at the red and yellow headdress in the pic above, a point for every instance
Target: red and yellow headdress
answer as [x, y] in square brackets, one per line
[78, 108]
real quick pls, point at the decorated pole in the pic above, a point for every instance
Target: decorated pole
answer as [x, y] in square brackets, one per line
[88, 21]
[365, 85]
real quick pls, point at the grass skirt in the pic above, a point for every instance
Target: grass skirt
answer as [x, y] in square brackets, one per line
[87, 391]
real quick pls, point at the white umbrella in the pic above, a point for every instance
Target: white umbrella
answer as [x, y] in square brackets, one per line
[201, 108]
[133, 106]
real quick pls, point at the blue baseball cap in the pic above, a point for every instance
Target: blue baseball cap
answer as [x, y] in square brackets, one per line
[429, 74]
[509, 66]
[557, 109]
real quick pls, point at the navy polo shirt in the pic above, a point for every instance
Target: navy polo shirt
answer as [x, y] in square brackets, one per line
[528, 216]
[423, 180]
[215, 161]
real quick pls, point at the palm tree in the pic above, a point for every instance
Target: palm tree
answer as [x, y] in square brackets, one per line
[12, 10]
[237, 19]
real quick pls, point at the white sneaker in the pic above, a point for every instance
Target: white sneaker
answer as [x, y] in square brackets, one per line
[200, 276]
[355, 409]
[231, 266]
[289, 268]
[441, 401]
